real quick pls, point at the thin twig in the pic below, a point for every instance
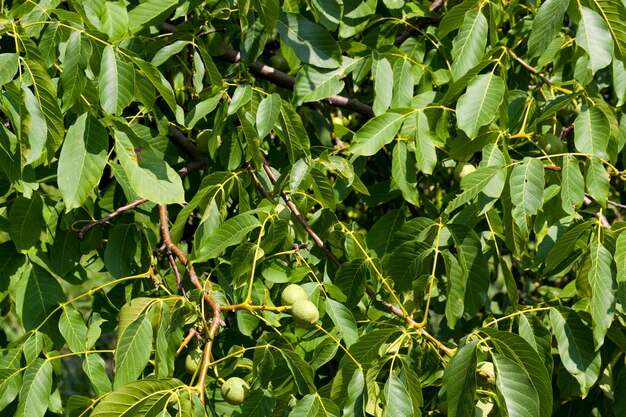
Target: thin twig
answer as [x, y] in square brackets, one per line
[217, 321]
[110, 216]
[436, 5]
[603, 220]
[609, 202]
[320, 244]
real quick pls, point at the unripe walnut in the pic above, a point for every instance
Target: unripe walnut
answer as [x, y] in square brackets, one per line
[291, 294]
[305, 313]
[193, 360]
[235, 390]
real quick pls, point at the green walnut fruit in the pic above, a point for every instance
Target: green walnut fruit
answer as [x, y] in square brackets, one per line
[279, 62]
[193, 360]
[550, 144]
[463, 169]
[305, 314]
[291, 294]
[235, 390]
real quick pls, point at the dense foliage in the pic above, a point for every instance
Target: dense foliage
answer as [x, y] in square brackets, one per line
[441, 180]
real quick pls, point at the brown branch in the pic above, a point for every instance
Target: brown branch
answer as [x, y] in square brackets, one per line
[603, 220]
[110, 216]
[287, 81]
[320, 244]
[552, 168]
[436, 5]
[216, 322]
[566, 131]
[182, 142]
[530, 68]
[411, 322]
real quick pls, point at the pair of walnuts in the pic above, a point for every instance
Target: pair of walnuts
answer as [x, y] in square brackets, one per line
[304, 313]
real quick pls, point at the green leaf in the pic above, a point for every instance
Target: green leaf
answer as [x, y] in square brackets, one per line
[116, 82]
[26, 221]
[119, 255]
[602, 302]
[591, 132]
[381, 233]
[383, 86]
[8, 67]
[82, 160]
[620, 262]
[473, 184]
[594, 37]
[459, 378]
[241, 97]
[343, 320]
[149, 175]
[613, 14]
[77, 54]
[139, 398]
[114, 19]
[572, 191]
[315, 84]
[33, 126]
[267, 114]
[230, 233]
[38, 295]
[576, 349]
[149, 13]
[480, 103]
[474, 264]
[519, 394]
[403, 83]
[527, 183]
[397, 399]
[46, 95]
[258, 404]
[307, 406]
[10, 384]
[546, 25]
[597, 181]
[407, 263]
[469, 44]
[95, 368]
[73, 328]
[132, 351]
[457, 281]
[291, 132]
[311, 42]
[376, 133]
[425, 152]
[355, 397]
[203, 108]
[404, 173]
[538, 336]
[300, 370]
[35, 389]
[351, 278]
[323, 189]
[356, 15]
[519, 350]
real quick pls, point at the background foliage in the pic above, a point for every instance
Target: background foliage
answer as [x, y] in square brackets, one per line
[443, 179]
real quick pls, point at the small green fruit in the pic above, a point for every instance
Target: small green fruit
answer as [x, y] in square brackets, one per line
[279, 62]
[291, 294]
[463, 169]
[305, 314]
[550, 144]
[235, 390]
[193, 360]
